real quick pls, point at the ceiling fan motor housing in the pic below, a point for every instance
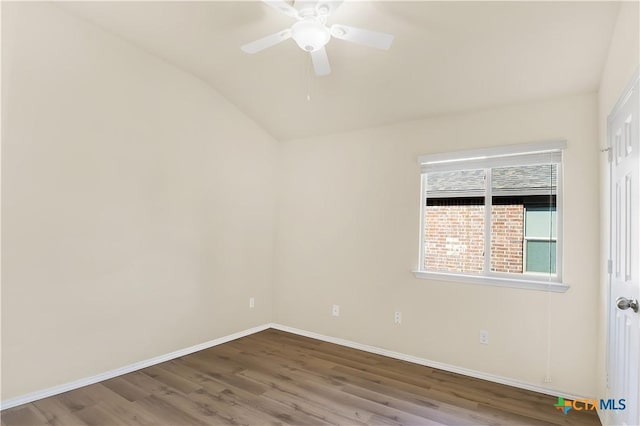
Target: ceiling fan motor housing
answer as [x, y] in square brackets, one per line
[310, 34]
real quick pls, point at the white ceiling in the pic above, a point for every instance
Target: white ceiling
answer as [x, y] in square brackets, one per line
[446, 57]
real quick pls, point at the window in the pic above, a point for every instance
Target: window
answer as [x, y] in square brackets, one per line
[493, 216]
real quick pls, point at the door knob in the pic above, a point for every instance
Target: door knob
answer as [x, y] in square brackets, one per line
[624, 304]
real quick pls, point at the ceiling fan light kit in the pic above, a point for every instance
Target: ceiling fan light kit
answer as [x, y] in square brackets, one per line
[311, 33]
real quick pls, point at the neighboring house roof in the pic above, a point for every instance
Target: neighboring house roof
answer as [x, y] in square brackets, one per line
[506, 181]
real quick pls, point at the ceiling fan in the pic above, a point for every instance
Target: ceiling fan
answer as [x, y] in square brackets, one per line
[311, 32]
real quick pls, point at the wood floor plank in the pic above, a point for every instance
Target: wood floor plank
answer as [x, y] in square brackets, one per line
[435, 412]
[272, 409]
[225, 404]
[170, 414]
[129, 414]
[239, 382]
[497, 399]
[210, 366]
[180, 368]
[332, 392]
[203, 412]
[125, 389]
[173, 381]
[75, 400]
[25, 415]
[280, 382]
[96, 415]
[303, 401]
[56, 413]
[291, 416]
[143, 381]
[466, 409]
[338, 396]
[277, 378]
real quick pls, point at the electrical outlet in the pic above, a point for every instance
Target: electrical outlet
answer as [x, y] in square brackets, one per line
[335, 311]
[484, 337]
[252, 302]
[547, 379]
[397, 318]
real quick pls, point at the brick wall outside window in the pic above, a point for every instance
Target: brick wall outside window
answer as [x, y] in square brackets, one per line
[454, 238]
[507, 235]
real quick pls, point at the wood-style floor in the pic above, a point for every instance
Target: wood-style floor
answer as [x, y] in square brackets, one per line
[277, 378]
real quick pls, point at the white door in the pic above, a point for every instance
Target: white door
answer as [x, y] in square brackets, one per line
[624, 318]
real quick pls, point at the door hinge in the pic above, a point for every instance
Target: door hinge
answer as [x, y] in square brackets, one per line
[609, 266]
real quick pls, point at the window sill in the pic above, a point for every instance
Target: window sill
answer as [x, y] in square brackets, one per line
[494, 281]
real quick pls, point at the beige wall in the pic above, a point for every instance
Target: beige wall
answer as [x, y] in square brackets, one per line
[622, 62]
[348, 235]
[138, 205]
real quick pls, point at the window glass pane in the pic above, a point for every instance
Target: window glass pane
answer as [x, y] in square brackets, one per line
[454, 221]
[541, 256]
[523, 206]
[541, 222]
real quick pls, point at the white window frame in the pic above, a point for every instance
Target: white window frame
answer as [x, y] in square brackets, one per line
[513, 155]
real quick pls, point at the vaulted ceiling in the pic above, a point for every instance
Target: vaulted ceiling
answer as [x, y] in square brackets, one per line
[446, 57]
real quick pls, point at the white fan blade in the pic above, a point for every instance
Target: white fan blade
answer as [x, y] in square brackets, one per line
[320, 62]
[268, 41]
[328, 7]
[360, 36]
[283, 7]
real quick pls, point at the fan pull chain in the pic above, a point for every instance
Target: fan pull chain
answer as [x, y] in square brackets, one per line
[309, 79]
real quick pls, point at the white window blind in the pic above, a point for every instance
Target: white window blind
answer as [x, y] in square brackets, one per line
[517, 155]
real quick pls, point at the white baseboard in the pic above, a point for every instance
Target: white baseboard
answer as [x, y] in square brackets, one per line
[55, 390]
[430, 363]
